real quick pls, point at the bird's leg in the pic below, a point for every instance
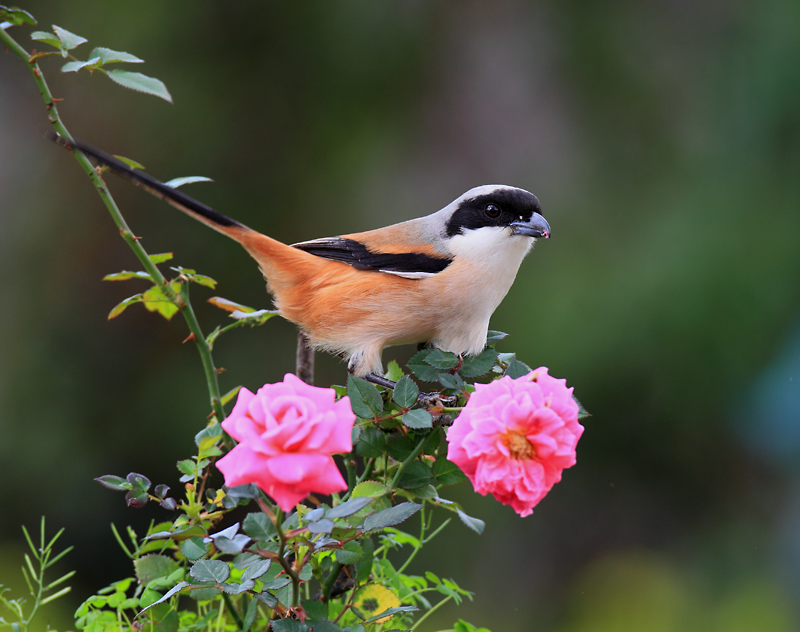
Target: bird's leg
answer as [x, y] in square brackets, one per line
[428, 400]
[380, 381]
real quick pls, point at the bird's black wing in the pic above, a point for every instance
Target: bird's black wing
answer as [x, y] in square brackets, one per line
[412, 265]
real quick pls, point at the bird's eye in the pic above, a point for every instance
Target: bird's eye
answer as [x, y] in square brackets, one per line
[492, 210]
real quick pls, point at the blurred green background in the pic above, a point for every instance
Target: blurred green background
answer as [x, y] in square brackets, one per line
[663, 139]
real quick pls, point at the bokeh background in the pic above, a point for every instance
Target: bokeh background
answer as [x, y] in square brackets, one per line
[663, 139]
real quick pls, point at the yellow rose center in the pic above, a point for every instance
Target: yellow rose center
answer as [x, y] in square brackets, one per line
[519, 446]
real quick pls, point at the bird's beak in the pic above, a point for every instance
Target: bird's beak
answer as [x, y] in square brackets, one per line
[536, 226]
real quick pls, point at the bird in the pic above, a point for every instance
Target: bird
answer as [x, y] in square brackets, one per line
[433, 280]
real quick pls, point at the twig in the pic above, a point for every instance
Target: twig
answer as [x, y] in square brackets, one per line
[305, 359]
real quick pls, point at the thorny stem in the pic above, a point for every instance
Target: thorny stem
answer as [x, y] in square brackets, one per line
[125, 232]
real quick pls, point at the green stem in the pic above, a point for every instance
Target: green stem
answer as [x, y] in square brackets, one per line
[330, 581]
[282, 558]
[409, 459]
[124, 230]
[430, 612]
[421, 541]
[232, 609]
[205, 353]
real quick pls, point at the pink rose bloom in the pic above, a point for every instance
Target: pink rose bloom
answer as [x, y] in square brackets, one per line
[514, 438]
[287, 433]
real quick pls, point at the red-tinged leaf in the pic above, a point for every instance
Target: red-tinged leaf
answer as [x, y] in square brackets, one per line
[229, 306]
[136, 298]
[117, 483]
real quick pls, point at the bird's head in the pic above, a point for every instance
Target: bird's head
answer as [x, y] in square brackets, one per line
[495, 206]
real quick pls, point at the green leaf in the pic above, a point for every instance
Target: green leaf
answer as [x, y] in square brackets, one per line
[136, 298]
[348, 508]
[117, 483]
[68, 40]
[202, 279]
[172, 591]
[249, 616]
[321, 526]
[371, 442]
[258, 526]
[109, 56]
[439, 359]
[215, 571]
[365, 399]
[420, 368]
[517, 369]
[390, 517]
[230, 394]
[132, 164]
[44, 36]
[393, 371]
[194, 548]
[364, 563]
[473, 523]
[75, 66]
[448, 380]
[349, 553]
[15, 16]
[447, 472]
[316, 611]
[415, 475]
[212, 433]
[139, 482]
[125, 275]
[155, 300]
[256, 569]
[405, 392]
[400, 447]
[288, 625]
[152, 567]
[370, 489]
[160, 257]
[140, 83]
[390, 611]
[328, 626]
[493, 337]
[417, 419]
[582, 412]
[179, 182]
[480, 364]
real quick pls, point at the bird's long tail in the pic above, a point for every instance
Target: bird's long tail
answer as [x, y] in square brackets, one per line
[171, 195]
[282, 265]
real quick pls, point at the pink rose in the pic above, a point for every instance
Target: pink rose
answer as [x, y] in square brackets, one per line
[287, 432]
[515, 437]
